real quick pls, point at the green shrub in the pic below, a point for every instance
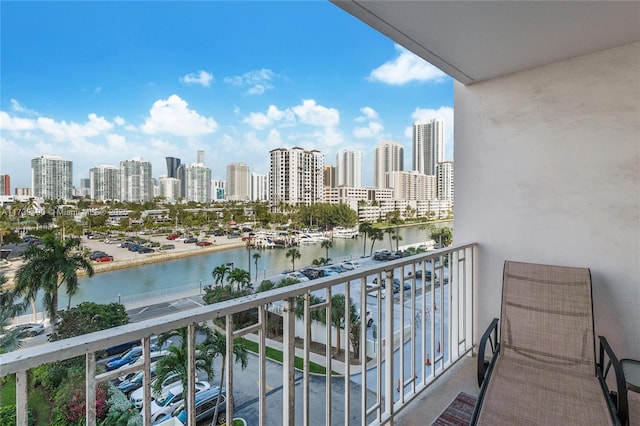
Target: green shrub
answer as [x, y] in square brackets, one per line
[8, 416]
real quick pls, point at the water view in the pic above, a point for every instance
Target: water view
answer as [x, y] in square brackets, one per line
[187, 273]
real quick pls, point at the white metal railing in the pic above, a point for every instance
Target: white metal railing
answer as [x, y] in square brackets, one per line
[417, 334]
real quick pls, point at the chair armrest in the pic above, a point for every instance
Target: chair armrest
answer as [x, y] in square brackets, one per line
[621, 403]
[495, 348]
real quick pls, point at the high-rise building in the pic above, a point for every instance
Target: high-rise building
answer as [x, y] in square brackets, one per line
[295, 176]
[389, 158]
[200, 157]
[195, 182]
[22, 191]
[349, 168]
[259, 187]
[104, 183]
[445, 180]
[329, 176]
[5, 185]
[217, 189]
[169, 189]
[412, 186]
[428, 145]
[238, 182]
[51, 178]
[135, 181]
[172, 166]
[85, 187]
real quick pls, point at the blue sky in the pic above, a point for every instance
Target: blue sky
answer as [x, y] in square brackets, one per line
[101, 82]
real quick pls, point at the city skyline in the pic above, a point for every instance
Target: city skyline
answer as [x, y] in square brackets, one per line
[250, 83]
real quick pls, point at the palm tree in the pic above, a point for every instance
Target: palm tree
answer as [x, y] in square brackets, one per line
[256, 256]
[9, 338]
[217, 344]
[326, 244]
[219, 273]
[375, 235]
[176, 360]
[239, 276]
[337, 315]
[389, 231]
[294, 254]
[48, 268]
[397, 237]
[365, 229]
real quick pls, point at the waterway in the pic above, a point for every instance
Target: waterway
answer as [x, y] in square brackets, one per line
[186, 273]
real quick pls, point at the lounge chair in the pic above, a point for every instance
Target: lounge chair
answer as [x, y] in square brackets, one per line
[543, 369]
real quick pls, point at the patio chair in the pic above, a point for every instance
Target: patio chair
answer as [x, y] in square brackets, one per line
[543, 369]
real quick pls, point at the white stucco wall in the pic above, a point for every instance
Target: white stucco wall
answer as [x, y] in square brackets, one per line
[548, 171]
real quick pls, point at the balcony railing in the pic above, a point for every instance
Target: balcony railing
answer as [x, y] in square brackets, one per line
[418, 331]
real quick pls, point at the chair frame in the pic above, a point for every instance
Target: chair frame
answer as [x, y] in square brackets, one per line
[616, 401]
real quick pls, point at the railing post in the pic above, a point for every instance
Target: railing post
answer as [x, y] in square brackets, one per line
[22, 412]
[90, 388]
[190, 400]
[388, 346]
[288, 358]
[262, 367]
[229, 366]
[307, 346]
[146, 382]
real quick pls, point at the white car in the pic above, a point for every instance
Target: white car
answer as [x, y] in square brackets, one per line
[350, 265]
[30, 329]
[171, 381]
[168, 401]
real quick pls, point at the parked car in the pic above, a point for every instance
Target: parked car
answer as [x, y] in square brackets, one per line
[119, 349]
[145, 250]
[173, 237]
[205, 243]
[126, 358]
[106, 258]
[190, 240]
[167, 247]
[171, 381]
[350, 265]
[296, 275]
[396, 284]
[135, 382]
[337, 268]
[163, 406]
[206, 402]
[427, 275]
[30, 329]
[96, 254]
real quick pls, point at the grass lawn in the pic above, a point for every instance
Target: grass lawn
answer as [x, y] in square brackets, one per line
[38, 405]
[276, 355]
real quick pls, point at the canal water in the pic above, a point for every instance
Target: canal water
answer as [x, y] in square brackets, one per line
[191, 272]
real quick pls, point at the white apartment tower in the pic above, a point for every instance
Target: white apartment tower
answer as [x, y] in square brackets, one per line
[389, 158]
[195, 181]
[296, 176]
[349, 168]
[51, 178]
[238, 182]
[428, 145]
[218, 189]
[170, 189]
[259, 187]
[104, 183]
[445, 180]
[135, 181]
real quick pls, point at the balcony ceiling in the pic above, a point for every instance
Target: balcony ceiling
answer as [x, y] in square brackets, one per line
[479, 40]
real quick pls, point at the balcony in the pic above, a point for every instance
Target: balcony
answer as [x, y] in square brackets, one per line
[420, 334]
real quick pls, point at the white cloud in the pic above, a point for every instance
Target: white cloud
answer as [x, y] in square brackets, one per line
[316, 115]
[72, 131]
[173, 116]
[368, 113]
[372, 130]
[259, 120]
[119, 120]
[257, 81]
[17, 107]
[15, 123]
[97, 89]
[202, 78]
[406, 67]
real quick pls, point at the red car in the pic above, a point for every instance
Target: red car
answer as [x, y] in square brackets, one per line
[173, 236]
[104, 259]
[205, 243]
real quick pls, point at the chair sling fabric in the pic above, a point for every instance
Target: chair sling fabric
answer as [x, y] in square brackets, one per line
[545, 373]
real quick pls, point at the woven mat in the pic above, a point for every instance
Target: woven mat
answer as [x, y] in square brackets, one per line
[459, 411]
